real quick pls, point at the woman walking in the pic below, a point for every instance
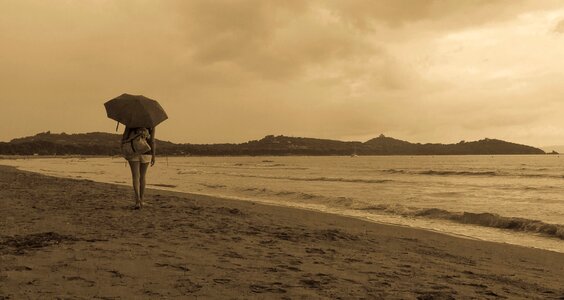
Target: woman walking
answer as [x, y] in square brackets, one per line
[140, 115]
[139, 162]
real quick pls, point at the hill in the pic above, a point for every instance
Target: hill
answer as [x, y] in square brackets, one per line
[387, 145]
[101, 143]
[46, 143]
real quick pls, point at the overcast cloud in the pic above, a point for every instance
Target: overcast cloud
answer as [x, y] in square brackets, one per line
[231, 71]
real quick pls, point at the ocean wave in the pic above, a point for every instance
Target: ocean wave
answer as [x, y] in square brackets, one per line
[472, 173]
[535, 169]
[291, 194]
[480, 219]
[259, 166]
[189, 172]
[336, 179]
[302, 197]
[395, 171]
[213, 186]
[293, 178]
[551, 176]
[442, 172]
[461, 173]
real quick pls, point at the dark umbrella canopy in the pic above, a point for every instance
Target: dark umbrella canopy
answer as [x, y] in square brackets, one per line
[135, 111]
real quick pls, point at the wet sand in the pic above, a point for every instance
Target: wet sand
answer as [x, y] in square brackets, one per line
[81, 239]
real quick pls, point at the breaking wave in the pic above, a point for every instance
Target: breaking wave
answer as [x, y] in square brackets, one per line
[331, 179]
[302, 197]
[291, 194]
[480, 219]
[443, 173]
[472, 173]
[462, 173]
[395, 171]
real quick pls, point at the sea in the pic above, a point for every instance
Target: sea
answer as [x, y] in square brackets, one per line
[509, 199]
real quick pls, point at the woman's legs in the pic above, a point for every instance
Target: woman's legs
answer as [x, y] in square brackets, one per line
[142, 171]
[135, 175]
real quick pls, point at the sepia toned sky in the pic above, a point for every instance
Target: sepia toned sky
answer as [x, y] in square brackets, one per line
[232, 71]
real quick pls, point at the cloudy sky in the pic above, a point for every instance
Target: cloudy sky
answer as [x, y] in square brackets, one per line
[231, 71]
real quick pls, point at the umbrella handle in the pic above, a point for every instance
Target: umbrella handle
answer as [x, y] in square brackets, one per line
[117, 126]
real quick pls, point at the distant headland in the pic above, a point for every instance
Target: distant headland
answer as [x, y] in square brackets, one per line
[101, 143]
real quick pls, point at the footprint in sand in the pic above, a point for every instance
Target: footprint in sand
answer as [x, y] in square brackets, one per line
[317, 281]
[186, 286]
[177, 267]
[314, 251]
[116, 274]
[222, 280]
[435, 295]
[289, 268]
[233, 254]
[85, 282]
[17, 268]
[274, 287]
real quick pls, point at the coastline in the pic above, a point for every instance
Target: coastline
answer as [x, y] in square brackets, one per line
[79, 238]
[512, 227]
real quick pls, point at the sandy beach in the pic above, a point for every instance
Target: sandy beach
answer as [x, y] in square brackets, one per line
[81, 239]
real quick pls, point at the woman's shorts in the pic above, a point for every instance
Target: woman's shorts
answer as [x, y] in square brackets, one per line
[142, 158]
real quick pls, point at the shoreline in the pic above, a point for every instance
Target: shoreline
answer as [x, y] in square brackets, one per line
[502, 235]
[356, 217]
[79, 238]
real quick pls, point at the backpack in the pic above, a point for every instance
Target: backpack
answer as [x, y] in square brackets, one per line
[135, 145]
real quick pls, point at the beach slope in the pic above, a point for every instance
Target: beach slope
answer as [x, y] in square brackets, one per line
[81, 239]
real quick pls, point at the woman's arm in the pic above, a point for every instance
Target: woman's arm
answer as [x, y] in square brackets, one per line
[125, 133]
[153, 145]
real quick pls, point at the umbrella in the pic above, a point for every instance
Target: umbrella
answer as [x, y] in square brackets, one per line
[135, 111]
